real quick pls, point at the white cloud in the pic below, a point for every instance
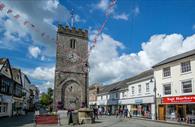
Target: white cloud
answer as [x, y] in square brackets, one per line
[122, 16]
[44, 86]
[78, 19]
[106, 60]
[51, 5]
[103, 4]
[34, 51]
[48, 13]
[42, 73]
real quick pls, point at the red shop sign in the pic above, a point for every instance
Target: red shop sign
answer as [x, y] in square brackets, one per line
[178, 99]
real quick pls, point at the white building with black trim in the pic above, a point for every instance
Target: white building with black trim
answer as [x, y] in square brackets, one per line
[175, 92]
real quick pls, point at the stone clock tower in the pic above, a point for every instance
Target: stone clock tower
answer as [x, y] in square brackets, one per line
[71, 74]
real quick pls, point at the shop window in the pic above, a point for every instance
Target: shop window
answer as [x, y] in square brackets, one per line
[147, 87]
[171, 112]
[185, 67]
[167, 89]
[106, 96]
[132, 90]
[3, 107]
[116, 95]
[5, 86]
[190, 109]
[166, 72]
[139, 88]
[187, 86]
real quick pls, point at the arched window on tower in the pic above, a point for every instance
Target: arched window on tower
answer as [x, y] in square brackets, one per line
[73, 43]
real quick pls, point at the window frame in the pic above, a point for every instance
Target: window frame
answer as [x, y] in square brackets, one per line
[139, 89]
[147, 88]
[182, 89]
[165, 90]
[165, 72]
[187, 68]
[132, 90]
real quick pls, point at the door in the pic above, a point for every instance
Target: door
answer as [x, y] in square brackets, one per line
[161, 112]
[181, 112]
[72, 96]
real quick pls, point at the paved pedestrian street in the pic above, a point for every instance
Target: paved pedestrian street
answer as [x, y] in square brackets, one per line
[112, 121]
[108, 121]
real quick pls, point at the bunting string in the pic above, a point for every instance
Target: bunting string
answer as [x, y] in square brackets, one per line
[25, 22]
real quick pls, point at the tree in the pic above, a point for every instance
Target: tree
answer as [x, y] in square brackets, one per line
[47, 98]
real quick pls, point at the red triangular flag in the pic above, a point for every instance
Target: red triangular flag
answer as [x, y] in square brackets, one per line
[2, 6]
[9, 11]
[17, 16]
[25, 22]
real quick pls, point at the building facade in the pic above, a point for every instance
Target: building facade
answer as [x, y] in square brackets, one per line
[141, 99]
[135, 93]
[12, 90]
[108, 97]
[34, 98]
[17, 92]
[93, 91]
[6, 88]
[174, 78]
[26, 90]
[71, 74]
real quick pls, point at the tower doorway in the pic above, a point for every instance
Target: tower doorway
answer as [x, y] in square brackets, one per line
[71, 95]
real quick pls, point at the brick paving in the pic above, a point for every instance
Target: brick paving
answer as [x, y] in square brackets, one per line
[108, 121]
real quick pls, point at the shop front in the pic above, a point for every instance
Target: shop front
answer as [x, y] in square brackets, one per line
[178, 108]
[112, 106]
[143, 107]
[5, 105]
[18, 106]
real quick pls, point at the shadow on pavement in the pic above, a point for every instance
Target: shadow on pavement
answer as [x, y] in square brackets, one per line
[17, 121]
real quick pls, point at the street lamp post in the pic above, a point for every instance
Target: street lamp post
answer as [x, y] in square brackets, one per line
[155, 99]
[155, 105]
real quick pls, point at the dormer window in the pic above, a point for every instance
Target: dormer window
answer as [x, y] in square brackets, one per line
[73, 43]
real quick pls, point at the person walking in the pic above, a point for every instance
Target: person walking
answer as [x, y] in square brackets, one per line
[117, 112]
[121, 112]
[95, 112]
[130, 116]
[125, 112]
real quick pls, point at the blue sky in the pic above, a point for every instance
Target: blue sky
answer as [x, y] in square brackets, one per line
[138, 34]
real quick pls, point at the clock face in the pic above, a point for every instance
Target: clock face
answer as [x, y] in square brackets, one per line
[72, 57]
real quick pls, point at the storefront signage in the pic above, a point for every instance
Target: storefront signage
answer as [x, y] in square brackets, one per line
[178, 99]
[138, 101]
[112, 102]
